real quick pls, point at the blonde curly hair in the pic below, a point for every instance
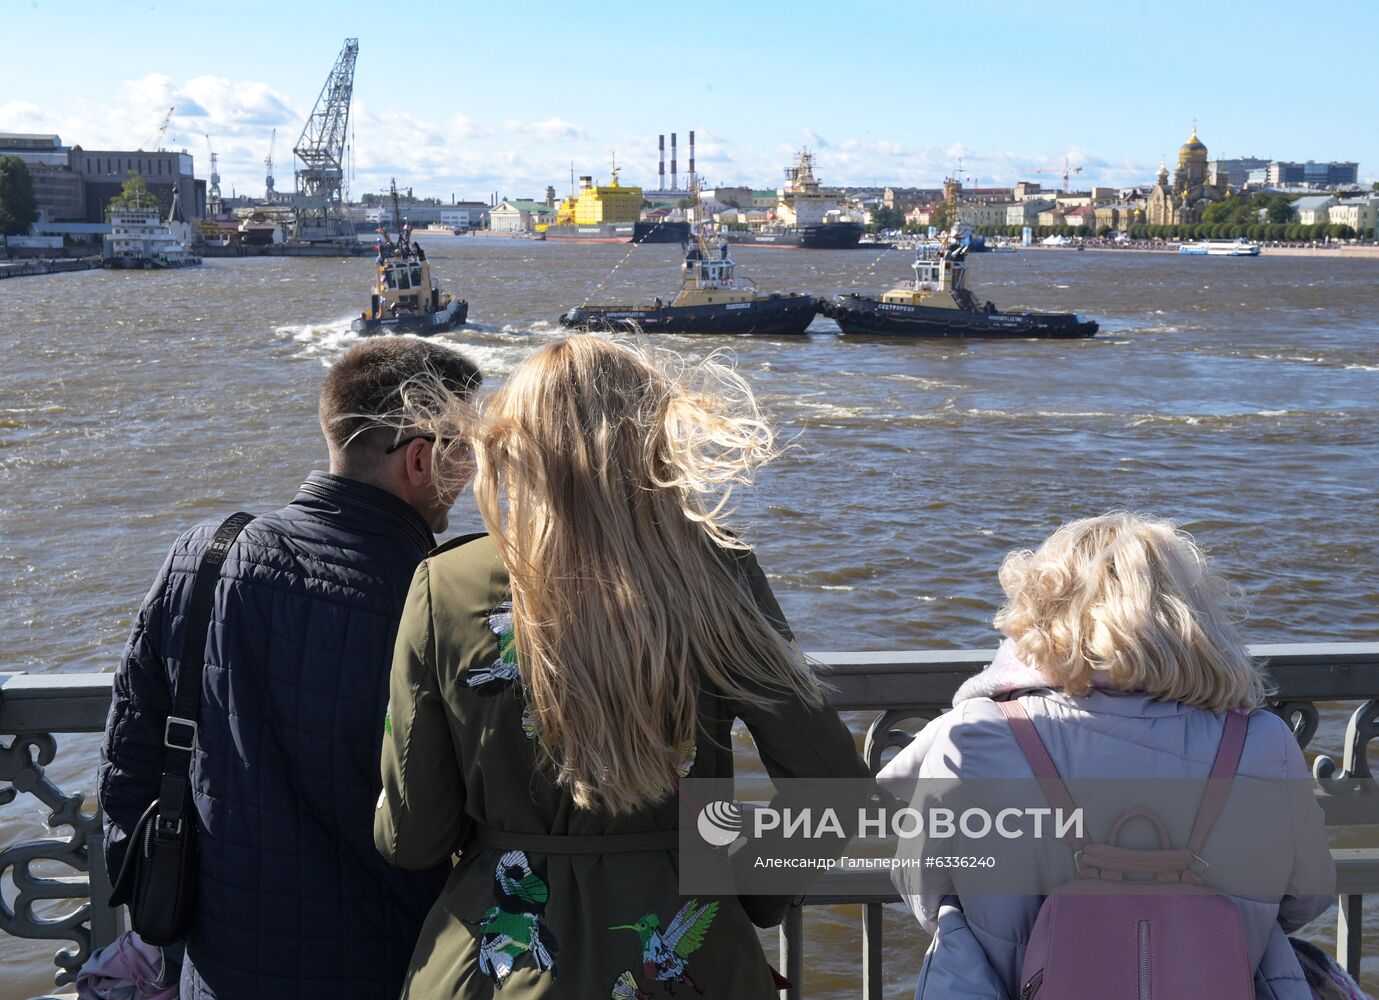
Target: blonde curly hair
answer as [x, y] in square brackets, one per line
[1130, 603]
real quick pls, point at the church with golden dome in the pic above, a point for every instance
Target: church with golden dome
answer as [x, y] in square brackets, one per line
[1182, 201]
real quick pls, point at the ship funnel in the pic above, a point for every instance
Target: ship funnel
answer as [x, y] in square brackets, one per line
[673, 186]
[661, 171]
[691, 163]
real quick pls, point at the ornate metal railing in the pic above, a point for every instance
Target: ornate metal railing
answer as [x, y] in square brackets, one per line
[905, 687]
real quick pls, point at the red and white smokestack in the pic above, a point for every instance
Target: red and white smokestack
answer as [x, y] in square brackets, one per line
[672, 163]
[691, 169]
[661, 172]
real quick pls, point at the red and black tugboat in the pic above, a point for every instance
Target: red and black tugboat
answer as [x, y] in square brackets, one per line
[937, 303]
[406, 299]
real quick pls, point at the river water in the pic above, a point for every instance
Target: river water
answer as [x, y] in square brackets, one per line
[1239, 396]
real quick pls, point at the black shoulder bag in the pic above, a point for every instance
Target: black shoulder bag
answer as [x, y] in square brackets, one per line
[158, 876]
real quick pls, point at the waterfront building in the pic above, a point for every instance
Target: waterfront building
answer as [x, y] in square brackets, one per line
[57, 189]
[1051, 217]
[519, 215]
[1029, 189]
[904, 200]
[1360, 214]
[465, 215]
[1027, 212]
[1119, 216]
[75, 184]
[1234, 172]
[1182, 201]
[1313, 209]
[1284, 174]
[1084, 216]
[1072, 199]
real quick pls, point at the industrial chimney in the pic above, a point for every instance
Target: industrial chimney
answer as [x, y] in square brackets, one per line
[673, 185]
[661, 171]
[691, 163]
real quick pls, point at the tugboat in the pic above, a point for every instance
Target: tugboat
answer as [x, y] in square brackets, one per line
[937, 303]
[406, 299]
[712, 299]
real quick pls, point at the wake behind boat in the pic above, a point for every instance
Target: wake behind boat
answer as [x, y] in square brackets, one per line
[937, 303]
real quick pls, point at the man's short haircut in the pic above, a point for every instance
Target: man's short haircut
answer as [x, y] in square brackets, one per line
[362, 397]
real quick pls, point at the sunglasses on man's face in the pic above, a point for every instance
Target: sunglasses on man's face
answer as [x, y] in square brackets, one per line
[408, 440]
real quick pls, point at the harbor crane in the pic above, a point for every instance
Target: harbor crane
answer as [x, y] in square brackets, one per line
[213, 203]
[269, 193]
[157, 141]
[319, 201]
[1065, 172]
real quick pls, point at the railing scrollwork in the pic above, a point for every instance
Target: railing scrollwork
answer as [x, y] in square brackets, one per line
[22, 763]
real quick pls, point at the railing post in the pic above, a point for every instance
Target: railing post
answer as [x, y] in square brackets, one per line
[792, 952]
[1350, 915]
[872, 974]
[105, 919]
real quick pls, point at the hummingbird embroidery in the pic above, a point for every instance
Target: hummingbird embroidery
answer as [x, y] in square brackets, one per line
[513, 927]
[665, 953]
[625, 988]
[502, 673]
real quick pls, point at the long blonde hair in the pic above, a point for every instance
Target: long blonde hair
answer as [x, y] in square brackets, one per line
[603, 479]
[1130, 603]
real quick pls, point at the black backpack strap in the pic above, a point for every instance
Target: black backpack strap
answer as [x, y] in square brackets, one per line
[180, 730]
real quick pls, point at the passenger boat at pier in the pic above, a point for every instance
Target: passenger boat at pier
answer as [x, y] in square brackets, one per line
[1220, 248]
[140, 239]
[937, 303]
[712, 299]
[406, 299]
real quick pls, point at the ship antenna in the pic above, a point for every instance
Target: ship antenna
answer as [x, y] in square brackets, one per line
[397, 212]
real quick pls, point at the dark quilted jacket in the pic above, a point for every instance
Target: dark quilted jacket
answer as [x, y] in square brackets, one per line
[294, 900]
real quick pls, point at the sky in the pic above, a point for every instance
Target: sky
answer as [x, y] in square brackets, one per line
[468, 100]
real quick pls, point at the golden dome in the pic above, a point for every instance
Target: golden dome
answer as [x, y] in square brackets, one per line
[1193, 149]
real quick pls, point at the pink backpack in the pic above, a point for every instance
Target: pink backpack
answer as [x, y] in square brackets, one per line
[1161, 934]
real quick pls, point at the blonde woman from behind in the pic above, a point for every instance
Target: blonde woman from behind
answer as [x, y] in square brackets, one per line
[556, 677]
[1122, 650]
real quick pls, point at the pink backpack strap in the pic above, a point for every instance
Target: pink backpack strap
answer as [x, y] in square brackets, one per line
[1219, 781]
[1045, 771]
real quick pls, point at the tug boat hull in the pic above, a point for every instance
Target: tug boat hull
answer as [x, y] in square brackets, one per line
[452, 314]
[773, 315]
[860, 315]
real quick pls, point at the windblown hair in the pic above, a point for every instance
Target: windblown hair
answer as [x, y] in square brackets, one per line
[385, 389]
[603, 479]
[1129, 603]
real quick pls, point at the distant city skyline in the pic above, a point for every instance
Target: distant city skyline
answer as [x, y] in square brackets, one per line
[506, 98]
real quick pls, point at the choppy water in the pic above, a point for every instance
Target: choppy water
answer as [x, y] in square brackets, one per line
[1240, 396]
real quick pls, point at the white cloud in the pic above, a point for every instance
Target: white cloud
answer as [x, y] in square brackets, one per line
[471, 157]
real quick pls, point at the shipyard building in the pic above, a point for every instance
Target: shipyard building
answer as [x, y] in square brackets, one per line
[72, 184]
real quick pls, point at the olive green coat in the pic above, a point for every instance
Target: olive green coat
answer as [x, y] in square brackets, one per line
[460, 772]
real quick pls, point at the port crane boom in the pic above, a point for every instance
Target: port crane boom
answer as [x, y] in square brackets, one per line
[157, 141]
[319, 201]
[269, 193]
[1067, 170]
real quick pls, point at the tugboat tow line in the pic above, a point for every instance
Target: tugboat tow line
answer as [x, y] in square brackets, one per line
[609, 276]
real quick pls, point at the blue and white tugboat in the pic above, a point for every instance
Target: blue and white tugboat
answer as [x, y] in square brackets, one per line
[406, 299]
[937, 303]
[712, 299]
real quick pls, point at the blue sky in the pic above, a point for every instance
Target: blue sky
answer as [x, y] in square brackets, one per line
[471, 99]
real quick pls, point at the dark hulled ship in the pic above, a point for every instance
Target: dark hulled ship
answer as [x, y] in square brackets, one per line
[712, 299]
[937, 303]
